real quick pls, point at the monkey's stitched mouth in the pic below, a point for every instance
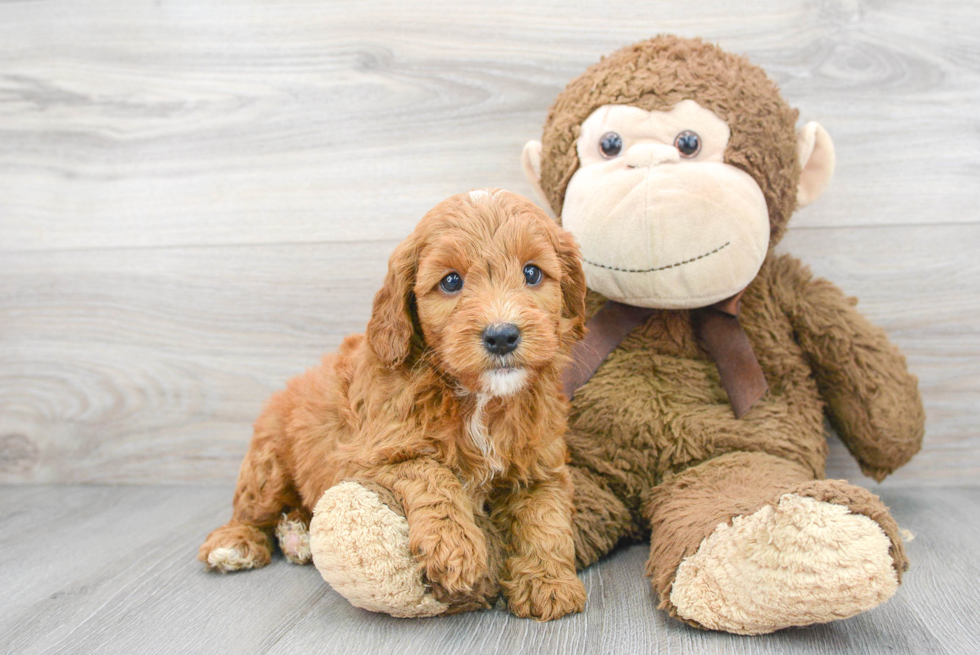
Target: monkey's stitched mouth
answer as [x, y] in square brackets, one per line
[659, 268]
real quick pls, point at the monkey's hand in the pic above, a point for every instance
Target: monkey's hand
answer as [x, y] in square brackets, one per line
[872, 399]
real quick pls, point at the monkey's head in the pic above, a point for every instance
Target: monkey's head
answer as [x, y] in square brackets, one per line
[676, 166]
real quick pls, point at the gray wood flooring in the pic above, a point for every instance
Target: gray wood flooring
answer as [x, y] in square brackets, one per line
[108, 569]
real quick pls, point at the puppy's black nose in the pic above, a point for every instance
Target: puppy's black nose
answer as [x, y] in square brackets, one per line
[501, 338]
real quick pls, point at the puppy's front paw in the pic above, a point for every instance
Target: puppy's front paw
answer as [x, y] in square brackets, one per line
[545, 597]
[453, 558]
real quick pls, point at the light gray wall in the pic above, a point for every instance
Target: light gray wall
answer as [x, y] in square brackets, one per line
[199, 198]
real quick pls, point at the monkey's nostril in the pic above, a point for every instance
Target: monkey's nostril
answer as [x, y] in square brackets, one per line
[501, 338]
[648, 155]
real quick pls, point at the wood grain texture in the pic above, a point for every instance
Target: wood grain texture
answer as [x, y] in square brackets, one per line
[199, 198]
[149, 365]
[240, 122]
[102, 569]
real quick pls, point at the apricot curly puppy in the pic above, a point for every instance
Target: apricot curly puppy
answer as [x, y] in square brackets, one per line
[451, 404]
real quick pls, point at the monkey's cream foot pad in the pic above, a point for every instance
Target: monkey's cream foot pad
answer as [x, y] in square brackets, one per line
[801, 562]
[360, 547]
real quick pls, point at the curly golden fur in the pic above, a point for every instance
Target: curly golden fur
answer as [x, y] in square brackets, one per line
[420, 407]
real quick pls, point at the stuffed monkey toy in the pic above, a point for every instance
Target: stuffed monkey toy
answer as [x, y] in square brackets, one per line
[700, 394]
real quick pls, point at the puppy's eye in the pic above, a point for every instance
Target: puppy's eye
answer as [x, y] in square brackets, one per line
[532, 275]
[451, 283]
[611, 144]
[689, 143]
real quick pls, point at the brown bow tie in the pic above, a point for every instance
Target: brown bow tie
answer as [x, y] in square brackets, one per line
[716, 326]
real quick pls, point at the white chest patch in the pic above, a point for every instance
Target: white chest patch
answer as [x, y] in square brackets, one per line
[482, 438]
[495, 384]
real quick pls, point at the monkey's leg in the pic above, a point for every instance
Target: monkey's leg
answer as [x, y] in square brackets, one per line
[750, 543]
[600, 520]
[359, 543]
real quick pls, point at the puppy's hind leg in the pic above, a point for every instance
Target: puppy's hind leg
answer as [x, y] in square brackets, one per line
[293, 534]
[234, 547]
[264, 489]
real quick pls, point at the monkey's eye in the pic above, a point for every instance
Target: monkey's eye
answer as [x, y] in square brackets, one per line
[611, 144]
[688, 142]
[451, 283]
[532, 275]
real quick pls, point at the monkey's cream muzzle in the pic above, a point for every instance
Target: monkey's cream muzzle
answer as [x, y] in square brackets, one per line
[664, 222]
[672, 235]
[657, 229]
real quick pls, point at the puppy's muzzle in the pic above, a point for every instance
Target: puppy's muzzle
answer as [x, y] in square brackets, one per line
[501, 338]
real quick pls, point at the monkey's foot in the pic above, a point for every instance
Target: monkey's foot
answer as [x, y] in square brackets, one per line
[360, 547]
[799, 562]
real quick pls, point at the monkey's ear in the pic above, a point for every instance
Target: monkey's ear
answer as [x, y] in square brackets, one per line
[572, 285]
[816, 152]
[390, 330]
[531, 163]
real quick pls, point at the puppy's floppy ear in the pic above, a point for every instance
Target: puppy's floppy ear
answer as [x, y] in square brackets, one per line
[572, 285]
[390, 330]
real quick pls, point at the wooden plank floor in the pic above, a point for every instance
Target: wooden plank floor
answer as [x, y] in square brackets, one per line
[109, 569]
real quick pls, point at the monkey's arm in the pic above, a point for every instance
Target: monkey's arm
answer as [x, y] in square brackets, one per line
[872, 399]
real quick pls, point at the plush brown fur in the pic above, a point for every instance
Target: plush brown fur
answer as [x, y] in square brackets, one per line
[655, 448]
[406, 410]
[687, 507]
[653, 440]
[657, 74]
